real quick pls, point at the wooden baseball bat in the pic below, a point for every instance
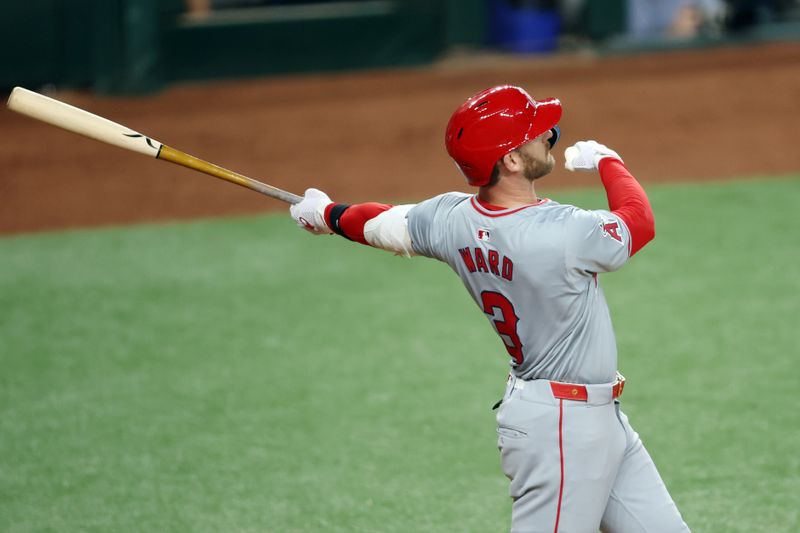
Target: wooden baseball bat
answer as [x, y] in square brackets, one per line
[95, 127]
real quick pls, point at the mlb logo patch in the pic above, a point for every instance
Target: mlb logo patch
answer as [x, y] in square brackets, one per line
[483, 235]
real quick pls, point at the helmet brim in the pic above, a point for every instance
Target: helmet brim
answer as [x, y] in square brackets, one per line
[546, 114]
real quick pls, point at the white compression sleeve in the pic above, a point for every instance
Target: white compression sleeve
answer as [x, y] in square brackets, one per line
[389, 231]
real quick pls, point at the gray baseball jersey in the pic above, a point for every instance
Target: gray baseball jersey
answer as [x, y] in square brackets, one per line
[533, 271]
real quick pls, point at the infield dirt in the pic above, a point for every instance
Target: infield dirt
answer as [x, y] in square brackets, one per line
[378, 135]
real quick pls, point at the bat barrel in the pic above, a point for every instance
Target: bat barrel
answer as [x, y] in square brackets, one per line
[95, 127]
[78, 121]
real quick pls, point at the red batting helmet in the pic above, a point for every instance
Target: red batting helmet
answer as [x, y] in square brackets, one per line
[491, 124]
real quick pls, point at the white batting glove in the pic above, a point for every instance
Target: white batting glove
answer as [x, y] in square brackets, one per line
[586, 155]
[310, 212]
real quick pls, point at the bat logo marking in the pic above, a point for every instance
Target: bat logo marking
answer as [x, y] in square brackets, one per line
[137, 135]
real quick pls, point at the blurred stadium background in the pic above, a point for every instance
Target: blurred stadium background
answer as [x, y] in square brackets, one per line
[233, 374]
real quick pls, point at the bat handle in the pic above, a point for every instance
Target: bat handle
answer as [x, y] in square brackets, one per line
[274, 192]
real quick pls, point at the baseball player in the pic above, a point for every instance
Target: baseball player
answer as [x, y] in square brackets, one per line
[531, 265]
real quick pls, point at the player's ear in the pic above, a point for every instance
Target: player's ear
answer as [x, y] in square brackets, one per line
[512, 161]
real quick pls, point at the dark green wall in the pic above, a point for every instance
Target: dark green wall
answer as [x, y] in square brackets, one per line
[465, 22]
[135, 46]
[42, 41]
[107, 45]
[409, 32]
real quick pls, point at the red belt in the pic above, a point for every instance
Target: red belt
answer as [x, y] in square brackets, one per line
[572, 391]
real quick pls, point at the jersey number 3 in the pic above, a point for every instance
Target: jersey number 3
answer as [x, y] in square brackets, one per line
[495, 303]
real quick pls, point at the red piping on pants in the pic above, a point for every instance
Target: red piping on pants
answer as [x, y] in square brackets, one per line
[561, 455]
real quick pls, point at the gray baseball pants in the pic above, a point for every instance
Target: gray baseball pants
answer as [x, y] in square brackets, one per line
[578, 466]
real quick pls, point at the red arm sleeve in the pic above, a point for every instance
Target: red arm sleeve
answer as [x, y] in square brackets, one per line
[348, 220]
[627, 200]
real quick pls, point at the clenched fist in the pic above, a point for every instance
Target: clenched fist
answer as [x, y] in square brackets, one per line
[310, 212]
[586, 155]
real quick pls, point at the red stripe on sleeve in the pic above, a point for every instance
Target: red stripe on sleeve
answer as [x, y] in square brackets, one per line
[352, 221]
[627, 200]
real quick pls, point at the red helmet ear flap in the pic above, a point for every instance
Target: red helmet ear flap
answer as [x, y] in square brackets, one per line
[491, 124]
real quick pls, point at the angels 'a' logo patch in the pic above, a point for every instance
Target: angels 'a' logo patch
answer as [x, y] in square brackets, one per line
[483, 235]
[611, 229]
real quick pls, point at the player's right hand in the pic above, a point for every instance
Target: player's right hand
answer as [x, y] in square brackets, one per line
[586, 155]
[310, 212]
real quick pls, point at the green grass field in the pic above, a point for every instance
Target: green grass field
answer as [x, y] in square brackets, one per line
[240, 375]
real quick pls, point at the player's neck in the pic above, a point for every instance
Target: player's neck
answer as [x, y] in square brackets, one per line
[509, 193]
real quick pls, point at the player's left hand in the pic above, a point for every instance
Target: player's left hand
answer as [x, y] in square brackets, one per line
[310, 212]
[586, 155]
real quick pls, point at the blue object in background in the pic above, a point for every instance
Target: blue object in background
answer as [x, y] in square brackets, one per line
[524, 26]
